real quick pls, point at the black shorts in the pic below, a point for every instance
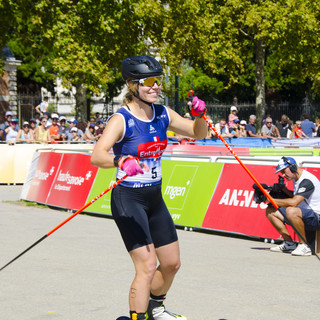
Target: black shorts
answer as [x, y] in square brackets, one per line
[142, 216]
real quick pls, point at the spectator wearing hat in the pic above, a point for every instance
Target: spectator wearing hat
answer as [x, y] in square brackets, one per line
[73, 123]
[25, 135]
[54, 129]
[100, 129]
[269, 130]
[251, 127]
[63, 130]
[41, 132]
[11, 132]
[6, 124]
[232, 116]
[43, 106]
[75, 136]
[242, 129]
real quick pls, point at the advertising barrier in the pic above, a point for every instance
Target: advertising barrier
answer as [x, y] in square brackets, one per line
[216, 196]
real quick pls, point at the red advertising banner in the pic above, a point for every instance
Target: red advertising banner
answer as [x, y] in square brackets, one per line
[232, 207]
[73, 181]
[44, 175]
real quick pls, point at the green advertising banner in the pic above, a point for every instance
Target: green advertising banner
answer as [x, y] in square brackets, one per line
[103, 180]
[187, 188]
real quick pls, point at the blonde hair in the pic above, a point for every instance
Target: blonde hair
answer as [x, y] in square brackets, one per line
[132, 88]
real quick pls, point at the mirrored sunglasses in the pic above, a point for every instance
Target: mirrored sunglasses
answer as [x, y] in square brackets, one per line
[149, 82]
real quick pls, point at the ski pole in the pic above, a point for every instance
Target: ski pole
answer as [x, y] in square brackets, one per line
[282, 210]
[65, 221]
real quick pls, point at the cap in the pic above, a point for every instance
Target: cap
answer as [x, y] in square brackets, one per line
[62, 118]
[9, 113]
[15, 120]
[233, 108]
[100, 121]
[33, 120]
[73, 121]
[54, 116]
[243, 122]
[284, 163]
[236, 121]
[25, 122]
[92, 125]
[74, 129]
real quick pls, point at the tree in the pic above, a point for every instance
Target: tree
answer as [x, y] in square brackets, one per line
[82, 42]
[239, 39]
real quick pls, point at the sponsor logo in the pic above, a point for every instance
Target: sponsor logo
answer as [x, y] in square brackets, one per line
[176, 216]
[240, 198]
[41, 175]
[302, 189]
[152, 149]
[131, 123]
[175, 191]
[152, 129]
[69, 179]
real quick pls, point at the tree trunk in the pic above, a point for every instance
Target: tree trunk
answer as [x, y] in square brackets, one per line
[81, 102]
[260, 82]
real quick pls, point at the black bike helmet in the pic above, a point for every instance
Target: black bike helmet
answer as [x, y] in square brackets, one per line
[139, 67]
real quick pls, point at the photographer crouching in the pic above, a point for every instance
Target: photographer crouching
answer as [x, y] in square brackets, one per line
[302, 206]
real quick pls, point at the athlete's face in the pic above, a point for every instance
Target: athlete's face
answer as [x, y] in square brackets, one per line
[150, 93]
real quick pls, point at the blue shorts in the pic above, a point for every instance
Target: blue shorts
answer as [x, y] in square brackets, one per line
[310, 219]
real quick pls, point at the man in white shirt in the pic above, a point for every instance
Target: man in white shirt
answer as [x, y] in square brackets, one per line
[222, 128]
[302, 207]
[43, 106]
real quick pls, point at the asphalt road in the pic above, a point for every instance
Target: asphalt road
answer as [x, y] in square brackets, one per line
[83, 272]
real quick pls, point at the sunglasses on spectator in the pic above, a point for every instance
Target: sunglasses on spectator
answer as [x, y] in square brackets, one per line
[149, 82]
[269, 122]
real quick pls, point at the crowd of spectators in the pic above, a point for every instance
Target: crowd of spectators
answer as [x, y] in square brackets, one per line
[54, 128]
[51, 128]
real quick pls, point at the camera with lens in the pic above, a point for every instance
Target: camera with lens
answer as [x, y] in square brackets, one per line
[275, 191]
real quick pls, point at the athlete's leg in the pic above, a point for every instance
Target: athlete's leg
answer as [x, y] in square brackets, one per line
[145, 263]
[169, 264]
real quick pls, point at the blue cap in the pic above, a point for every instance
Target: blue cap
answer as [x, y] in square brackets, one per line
[285, 162]
[73, 121]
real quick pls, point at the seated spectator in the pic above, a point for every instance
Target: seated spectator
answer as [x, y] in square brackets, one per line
[42, 132]
[269, 130]
[284, 126]
[6, 124]
[316, 132]
[33, 124]
[307, 126]
[297, 132]
[75, 135]
[11, 132]
[242, 129]
[251, 127]
[63, 130]
[100, 129]
[73, 123]
[232, 116]
[54, 129]
[223, 129]
[89, 135]
[25, 135]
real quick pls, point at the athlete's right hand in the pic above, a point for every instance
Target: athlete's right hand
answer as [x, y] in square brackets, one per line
[132, 166]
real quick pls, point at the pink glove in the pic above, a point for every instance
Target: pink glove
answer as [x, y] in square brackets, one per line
[131, 166]
[198, 107]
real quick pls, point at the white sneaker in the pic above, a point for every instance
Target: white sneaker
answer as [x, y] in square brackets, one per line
[302, 250]
[284, 247]
[157, 311]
